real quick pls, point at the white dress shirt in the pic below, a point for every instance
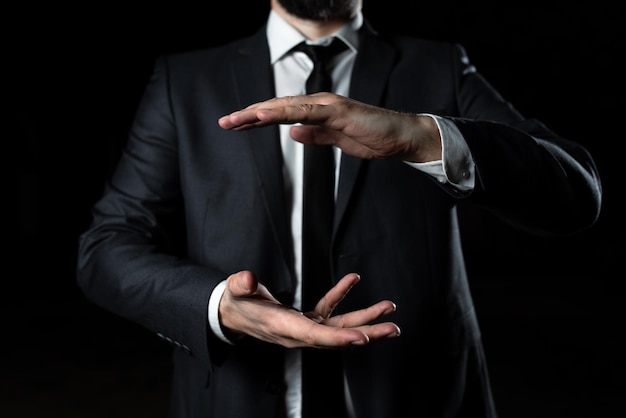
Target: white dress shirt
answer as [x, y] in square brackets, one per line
[290, 73]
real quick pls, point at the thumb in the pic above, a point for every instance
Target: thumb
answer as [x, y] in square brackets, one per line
[243, 283]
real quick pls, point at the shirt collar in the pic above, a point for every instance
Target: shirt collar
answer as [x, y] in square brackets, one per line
[281, 36]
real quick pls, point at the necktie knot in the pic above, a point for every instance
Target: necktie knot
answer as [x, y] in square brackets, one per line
[321, 55]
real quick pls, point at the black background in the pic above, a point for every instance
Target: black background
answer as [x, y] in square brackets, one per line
[550, 309]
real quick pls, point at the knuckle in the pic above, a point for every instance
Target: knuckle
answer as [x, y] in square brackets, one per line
[306, 107]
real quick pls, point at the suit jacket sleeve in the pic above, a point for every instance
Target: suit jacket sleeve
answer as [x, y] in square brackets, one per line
[525, 173]
[130, 259]
[537, 180]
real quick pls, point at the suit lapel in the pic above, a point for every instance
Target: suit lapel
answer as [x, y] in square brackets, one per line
[254, 82]
[372, 67]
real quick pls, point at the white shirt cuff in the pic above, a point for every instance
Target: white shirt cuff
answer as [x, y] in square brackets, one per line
[214, 312]
[457, 167]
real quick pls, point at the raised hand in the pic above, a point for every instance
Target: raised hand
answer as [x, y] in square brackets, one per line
[359, 129]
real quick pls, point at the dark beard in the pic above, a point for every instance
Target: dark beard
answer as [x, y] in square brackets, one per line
[320, 9]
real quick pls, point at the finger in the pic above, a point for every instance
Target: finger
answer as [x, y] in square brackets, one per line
[308, 113]
[247, 117]
[318, 135]
[245, 284]
[324, 336]
[310, 109]
[241, 119]
[336, 294]
[380, 331]
[322, 98]
[363, 316]
[296, 329]
[344, 284]
[242, 284]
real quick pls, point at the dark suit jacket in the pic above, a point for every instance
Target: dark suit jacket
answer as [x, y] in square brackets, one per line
[191, 203]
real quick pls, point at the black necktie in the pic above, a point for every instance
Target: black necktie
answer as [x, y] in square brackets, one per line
[320, 79]
[322, 370]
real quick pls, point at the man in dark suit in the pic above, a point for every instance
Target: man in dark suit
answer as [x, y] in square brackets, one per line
[197, 235]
